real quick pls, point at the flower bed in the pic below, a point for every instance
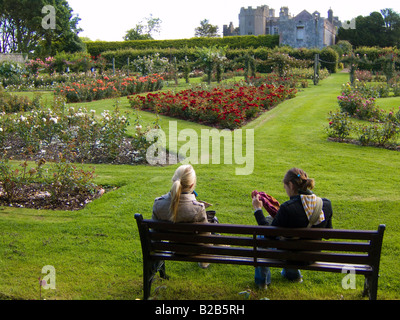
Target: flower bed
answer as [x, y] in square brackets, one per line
[380, 129]
[61, 186]
[224, 107]
[106, 87]
[78, 134]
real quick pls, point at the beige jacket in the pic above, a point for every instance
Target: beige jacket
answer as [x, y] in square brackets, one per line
[189, 209]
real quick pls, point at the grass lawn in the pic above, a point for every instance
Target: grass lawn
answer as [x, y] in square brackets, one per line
[96, 252]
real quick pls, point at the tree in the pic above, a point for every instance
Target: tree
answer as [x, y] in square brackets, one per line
[22, 31]
[392, 25]
[144, 31]
[206, 30]
[380, 29]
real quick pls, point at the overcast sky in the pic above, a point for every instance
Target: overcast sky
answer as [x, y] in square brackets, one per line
[109, 20]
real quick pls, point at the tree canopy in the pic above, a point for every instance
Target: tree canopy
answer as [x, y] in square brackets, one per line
[380, 29]
[144, 31]
[22, 27]
[206, 29]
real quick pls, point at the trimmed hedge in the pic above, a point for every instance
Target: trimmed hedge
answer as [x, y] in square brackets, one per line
[95, 48]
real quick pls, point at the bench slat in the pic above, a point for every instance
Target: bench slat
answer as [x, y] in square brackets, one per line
[300, 244]
[317, 266]
[313, 233]
[260, 253]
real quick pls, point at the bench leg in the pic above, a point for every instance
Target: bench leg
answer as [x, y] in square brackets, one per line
[161, 269]
[149, 271]
[371, 287]
[147, 279]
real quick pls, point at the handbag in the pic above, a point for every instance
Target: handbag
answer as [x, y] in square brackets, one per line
[211, 217]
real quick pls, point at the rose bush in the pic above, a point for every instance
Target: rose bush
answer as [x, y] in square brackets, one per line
[106, 87]
[358, 101]
[225, 107]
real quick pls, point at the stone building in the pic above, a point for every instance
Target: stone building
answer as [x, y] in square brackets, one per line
[304, 30]
[230, 30]
[260, 20]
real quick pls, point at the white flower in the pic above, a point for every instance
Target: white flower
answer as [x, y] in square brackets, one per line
[23, 119]
[1, 129]
[55, 120]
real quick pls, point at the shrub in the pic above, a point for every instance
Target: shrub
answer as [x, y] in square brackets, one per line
[11, 73]
[330, 59]
[96, 48]
[151, 64]
[62, 178]
[363, 75]
[67, 178]
[340, 125]
[358, 103]
[380, 134]
[12, 103]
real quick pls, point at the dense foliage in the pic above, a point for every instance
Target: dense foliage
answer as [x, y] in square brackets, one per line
[95, 48]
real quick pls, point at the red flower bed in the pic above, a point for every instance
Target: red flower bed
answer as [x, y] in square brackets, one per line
[226, 108]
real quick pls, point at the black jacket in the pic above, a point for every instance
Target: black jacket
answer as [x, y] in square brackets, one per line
[292, 215]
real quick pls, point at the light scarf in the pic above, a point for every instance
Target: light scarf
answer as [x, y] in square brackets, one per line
[309, 203]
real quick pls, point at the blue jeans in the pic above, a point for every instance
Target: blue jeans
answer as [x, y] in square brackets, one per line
[262, 275]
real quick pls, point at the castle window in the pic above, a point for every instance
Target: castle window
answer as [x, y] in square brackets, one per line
[300, 33]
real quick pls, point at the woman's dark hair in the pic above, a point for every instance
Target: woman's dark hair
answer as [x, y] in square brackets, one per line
[299, 179]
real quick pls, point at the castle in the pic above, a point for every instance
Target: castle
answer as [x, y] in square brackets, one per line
[304, 30]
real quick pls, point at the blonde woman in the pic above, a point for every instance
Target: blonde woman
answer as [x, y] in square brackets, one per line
[180, 204]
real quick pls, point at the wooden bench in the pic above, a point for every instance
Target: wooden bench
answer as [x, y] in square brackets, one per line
[308, 249]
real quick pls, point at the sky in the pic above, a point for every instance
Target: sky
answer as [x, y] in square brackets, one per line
[109, 20]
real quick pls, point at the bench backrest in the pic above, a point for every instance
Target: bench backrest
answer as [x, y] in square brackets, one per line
[258, 245]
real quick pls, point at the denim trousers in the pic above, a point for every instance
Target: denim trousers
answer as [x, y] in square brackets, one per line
[262, 275]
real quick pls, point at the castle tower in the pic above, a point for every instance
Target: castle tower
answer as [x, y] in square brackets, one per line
[330, 15]
[253, 21]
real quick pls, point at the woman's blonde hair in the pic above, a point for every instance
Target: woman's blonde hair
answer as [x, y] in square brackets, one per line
[184, 180]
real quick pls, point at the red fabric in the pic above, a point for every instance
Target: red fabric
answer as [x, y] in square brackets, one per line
[270, 203]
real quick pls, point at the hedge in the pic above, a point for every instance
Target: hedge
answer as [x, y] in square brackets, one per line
[95, 48]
